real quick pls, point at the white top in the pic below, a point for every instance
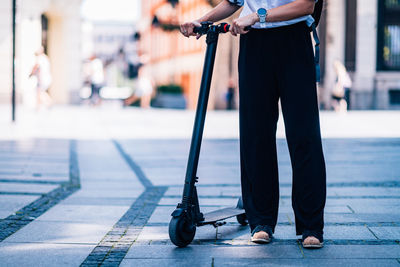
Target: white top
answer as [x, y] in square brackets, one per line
[97, 71]
[44, 74]
[251, 6]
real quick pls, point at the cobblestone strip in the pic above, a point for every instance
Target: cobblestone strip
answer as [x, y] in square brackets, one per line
[114, 246]
[112, 249]
[27, 214]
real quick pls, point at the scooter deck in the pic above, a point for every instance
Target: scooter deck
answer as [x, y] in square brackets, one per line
[222, 214]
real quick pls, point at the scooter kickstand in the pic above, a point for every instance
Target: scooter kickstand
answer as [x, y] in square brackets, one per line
[216, 224]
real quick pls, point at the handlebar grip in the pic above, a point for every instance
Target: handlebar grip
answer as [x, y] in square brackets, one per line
[225, 29]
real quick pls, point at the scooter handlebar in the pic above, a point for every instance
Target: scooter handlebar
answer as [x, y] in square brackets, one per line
[221, 28]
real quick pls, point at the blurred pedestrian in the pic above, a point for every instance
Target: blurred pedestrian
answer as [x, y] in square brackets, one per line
[341, 91]
[230, 95]
[96, 78]
[143, 90]
[41, 71]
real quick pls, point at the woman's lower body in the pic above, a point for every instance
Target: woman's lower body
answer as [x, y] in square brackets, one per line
[278, 64]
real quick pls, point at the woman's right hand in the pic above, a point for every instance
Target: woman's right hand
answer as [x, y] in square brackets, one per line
[187, 28]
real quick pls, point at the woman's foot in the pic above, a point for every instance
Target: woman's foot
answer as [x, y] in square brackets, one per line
[312, 239]
[262, 234]
[312, 242]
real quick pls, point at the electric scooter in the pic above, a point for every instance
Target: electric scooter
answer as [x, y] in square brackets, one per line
[187, 216]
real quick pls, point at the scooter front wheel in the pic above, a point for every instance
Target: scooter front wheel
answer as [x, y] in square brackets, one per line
[181, 232]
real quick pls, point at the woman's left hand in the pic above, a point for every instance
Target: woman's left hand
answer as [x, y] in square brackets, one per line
[239, 24]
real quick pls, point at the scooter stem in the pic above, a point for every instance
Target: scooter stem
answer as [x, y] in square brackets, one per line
[197, 135]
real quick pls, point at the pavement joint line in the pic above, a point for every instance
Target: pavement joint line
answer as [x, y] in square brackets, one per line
[22, 193]
[372, 232]
[134, 167]
[30, 212]
[301, 248]
[36, 174]
[350, 208]
[289, 219]
[111, 250]
[31, 181]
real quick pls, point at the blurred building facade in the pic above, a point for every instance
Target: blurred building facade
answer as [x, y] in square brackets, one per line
[365, 36]
[53, 24]
[174, 59]
[108, 37]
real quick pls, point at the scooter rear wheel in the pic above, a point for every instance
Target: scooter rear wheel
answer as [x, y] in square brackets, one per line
[181, 232]
[241, 218]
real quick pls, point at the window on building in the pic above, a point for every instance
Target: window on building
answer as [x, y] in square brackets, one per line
[389, 35]
[394, 96]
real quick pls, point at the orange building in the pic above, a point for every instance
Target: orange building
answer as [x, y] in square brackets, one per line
[172, 58]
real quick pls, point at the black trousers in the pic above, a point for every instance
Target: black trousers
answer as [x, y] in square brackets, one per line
[278, 64]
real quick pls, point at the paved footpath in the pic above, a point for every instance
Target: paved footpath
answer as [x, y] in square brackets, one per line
[86, 187]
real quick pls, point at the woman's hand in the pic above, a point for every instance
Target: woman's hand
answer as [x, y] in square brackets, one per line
[187, 28]
[239, 25]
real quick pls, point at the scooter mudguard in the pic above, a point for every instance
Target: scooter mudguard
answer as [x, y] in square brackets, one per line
[177, 212]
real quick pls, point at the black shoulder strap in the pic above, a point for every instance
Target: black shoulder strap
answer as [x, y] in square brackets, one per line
[317, 11]
[317, 15]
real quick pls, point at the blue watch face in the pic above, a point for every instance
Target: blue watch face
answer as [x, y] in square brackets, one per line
[261, 11]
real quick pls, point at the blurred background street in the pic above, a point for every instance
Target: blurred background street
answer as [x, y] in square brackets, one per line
[96, 115]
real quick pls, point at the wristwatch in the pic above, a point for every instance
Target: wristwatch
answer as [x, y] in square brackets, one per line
[262, 15]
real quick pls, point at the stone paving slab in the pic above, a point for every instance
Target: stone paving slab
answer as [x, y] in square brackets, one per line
[347, 232]
[109, 194]
[33, 178]
[343, 218]
[9, 204]
[60, 232]
[199, 262]
[385, 232]
[220, 261]
[93, 201]
[84, 213]
[41, 254]
[272, 251]
[355, 252]
[30, 188]
[158, 233]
